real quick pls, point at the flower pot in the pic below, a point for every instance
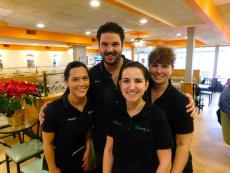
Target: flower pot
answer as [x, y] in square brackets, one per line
[18, 118]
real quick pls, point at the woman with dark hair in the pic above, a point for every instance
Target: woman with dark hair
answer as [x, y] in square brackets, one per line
[162, 94]
[139, 139]
[66, 130]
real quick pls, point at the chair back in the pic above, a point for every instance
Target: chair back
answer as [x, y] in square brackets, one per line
[199, 101]
[225, 123]
[195, 91]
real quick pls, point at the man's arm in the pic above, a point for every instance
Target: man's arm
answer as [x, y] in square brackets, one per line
[41, 114]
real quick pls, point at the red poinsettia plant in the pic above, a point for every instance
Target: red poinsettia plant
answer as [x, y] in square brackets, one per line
[16, 95]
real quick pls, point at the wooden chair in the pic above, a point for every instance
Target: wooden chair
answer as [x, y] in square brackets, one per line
[225, 123]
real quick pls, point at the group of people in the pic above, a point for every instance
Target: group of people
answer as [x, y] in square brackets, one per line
[137, 121]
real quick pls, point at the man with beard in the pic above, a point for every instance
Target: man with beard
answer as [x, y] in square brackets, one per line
[104, 89]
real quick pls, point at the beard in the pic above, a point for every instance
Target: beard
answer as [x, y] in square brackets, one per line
[114, 60]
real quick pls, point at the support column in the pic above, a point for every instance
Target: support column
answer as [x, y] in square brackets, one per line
[216, 60]
[189, 54]
[78, 51]
[132, 52]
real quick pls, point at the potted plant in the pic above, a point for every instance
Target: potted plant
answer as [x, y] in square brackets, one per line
[15, 96]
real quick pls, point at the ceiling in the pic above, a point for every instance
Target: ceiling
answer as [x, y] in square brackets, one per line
[166, 18]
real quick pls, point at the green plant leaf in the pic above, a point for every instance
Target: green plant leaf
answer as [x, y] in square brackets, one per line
[15, 104]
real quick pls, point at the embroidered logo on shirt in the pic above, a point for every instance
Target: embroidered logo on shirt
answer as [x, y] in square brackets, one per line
[71, 119]
[96, 81]
[117, 123]
[142, 129]
[89, 112]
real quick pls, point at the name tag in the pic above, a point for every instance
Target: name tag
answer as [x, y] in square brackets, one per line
[71, 119]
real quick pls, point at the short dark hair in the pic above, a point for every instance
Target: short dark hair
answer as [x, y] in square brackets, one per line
[162, 55]
[140, 66]
[111, 27]
[71, 65]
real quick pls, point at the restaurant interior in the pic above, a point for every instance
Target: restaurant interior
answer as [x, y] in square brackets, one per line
[38, 38]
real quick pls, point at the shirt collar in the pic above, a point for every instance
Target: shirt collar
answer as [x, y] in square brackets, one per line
[167, 91]
[102, 67]
[142, 113]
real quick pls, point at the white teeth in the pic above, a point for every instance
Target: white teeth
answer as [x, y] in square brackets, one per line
[131, 93]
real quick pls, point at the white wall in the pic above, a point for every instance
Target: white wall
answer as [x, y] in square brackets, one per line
[14, 60]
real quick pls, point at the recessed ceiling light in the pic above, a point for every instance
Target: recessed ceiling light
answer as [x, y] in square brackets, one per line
[143, 21]
[40, 25]
[87, 32]
[178, 34]
[94, 3]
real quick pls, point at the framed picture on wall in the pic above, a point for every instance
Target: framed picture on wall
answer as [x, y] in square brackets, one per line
[56, 60]
[30, 63]
[30, 60]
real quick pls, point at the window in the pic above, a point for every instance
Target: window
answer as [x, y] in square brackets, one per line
[203, 60]
[223, 62]
[56, 60]
[141, 55]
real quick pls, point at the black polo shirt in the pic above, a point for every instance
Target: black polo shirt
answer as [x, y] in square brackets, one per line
[108, 102]
[173, 102]
[70, 127]
[136, 139]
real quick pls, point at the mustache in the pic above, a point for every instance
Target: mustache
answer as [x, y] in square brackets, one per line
[110, 53]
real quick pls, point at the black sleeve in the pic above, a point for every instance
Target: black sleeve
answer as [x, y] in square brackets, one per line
[162, 132]
[182, 121]
[91, 110]
[50, 122]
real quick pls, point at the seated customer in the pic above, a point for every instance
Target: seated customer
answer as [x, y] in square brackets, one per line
[224, 102]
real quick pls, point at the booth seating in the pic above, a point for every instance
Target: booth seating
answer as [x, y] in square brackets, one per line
[225, 123]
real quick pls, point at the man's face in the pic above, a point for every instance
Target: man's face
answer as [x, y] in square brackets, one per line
[110, 48]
